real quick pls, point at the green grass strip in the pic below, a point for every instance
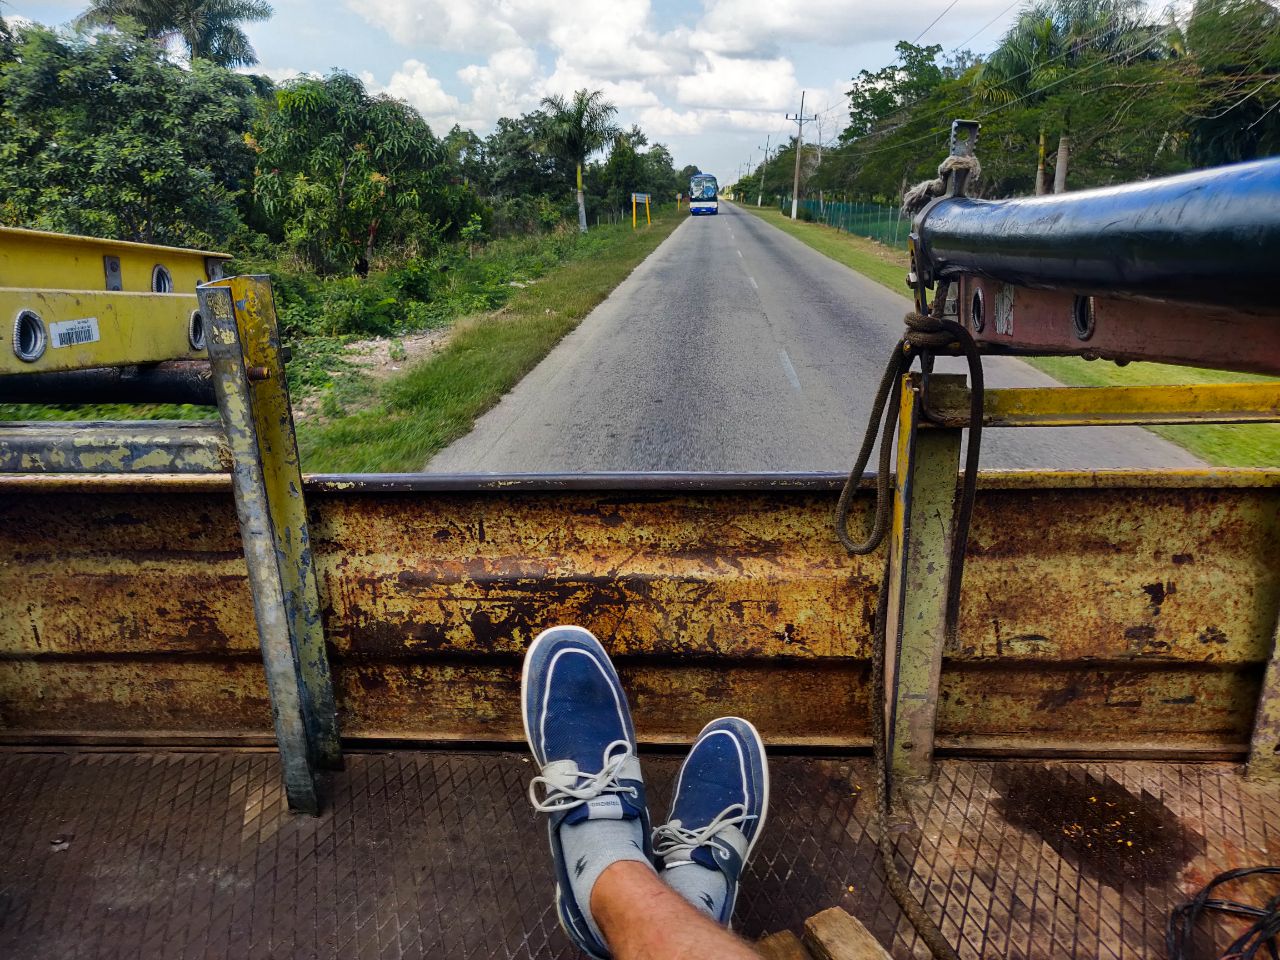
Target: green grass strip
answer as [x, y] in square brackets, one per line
[1223, 445]
[422, 410]
[882, 264]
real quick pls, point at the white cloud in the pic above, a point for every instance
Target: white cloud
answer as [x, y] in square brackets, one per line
[468, 25]
[623, 94]
[506, 85]
[763, 27]
[622, 44]
[661, 122]
[276, 74]
[414, 84]
[734, 82]
[717, 85]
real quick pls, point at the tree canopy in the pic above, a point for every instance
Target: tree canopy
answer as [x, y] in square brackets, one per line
[106, 137]
[103, 133]
[208, 29]
[1100, 89]
[342, 171]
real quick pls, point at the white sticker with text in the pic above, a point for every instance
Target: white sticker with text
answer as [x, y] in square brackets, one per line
[73, 333]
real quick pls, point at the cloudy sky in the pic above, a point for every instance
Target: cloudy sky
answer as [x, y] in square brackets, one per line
[710, 78]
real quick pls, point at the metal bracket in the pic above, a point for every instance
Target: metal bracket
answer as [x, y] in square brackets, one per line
[964, 138]
[111, 267]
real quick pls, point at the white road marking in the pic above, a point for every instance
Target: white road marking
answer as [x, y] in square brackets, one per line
[753, 281]
[740, 254]
[790, 370]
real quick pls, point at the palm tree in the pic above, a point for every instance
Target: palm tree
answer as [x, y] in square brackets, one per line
[576, 129]
[209, 29]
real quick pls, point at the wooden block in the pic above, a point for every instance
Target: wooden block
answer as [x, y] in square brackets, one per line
[835, 935]
[782, 946]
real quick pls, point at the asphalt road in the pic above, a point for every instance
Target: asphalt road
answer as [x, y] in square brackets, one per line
[736, 347]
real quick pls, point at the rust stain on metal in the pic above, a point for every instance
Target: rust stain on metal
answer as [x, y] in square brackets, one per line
[129, 610]
[1096, 824]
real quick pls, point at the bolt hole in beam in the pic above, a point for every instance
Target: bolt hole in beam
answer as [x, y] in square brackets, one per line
[29, 336]
[196, 331]
[161, 279]
[1082, 317]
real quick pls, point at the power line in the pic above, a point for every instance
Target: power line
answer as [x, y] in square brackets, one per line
[908, 105]
[935, 20]
[951, 108]
[1030, 93]
[954, 49]
[987, 27]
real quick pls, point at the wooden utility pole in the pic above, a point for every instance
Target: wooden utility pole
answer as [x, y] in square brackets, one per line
[800, 120]
[763, 168]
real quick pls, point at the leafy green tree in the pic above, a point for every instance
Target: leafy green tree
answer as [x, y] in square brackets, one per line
[577, 128]
[1235, 46]
[660, 177]
[1054, 42]
[875, 97]
[346, 173]
[515, 160]
[105, 137]
[464, 152]
[209, 29]
[624, 171]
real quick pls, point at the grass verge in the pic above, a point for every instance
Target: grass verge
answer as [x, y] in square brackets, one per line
[882, 264]
[1224, 445]
[420, 411]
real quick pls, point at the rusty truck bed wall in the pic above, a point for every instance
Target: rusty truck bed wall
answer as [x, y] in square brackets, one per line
[1103, 614]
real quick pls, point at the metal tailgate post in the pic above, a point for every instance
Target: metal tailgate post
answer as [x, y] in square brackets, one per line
[921, 531]
[1264, 745]
[244, 349]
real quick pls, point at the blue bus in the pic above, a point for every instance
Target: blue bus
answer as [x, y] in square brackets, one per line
[702, 194]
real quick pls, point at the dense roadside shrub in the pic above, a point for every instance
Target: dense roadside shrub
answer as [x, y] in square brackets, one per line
[104, 136]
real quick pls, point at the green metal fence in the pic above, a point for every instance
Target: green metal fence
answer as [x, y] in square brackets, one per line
[875, 221]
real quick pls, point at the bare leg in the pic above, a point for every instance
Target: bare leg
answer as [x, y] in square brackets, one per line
[644, 919]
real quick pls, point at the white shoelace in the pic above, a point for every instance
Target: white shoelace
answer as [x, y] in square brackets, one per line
[589, 785]
[671, 839]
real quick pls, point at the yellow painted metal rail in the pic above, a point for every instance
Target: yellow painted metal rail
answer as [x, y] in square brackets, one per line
[948, 404]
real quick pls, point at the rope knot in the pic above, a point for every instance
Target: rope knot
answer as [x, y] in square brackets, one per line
[915, 199]
[927, 332]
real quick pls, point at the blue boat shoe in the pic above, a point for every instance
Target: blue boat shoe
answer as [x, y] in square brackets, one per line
[580, 732]
[717, 814]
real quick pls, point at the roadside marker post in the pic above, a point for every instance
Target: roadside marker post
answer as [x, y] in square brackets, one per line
[639, 198]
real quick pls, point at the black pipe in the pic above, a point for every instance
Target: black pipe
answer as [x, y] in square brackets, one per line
[1211, 237]
[174, 381]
